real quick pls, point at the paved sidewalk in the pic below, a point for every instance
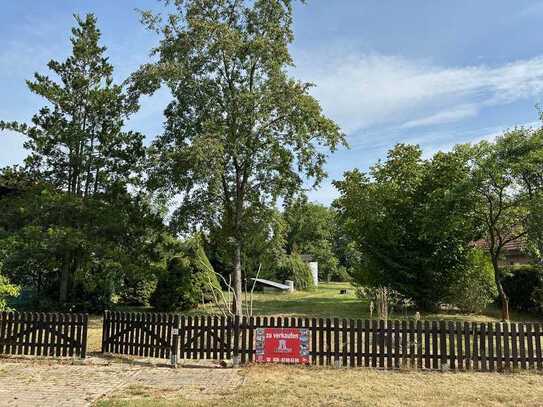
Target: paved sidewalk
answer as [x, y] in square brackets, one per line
[44, 383]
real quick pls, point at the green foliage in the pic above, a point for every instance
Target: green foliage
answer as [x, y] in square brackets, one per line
[187, 281]
[7, 290]
[264, 246]
[535, 226]
[530, 168]
[411, 220]
[292, 267]
[341, 274]
[104, 243]
[385, 300]
[310, 230]
[70, 230]
[507, 180]
[349, 257]
[474, 287]
[174, 288]
[77, 142]
[239, 132]
[137, 289]
[524, 287]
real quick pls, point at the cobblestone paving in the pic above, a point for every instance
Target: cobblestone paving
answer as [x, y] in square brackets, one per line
[27, 383]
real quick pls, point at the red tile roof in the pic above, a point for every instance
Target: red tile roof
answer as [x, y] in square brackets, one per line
[515, 245]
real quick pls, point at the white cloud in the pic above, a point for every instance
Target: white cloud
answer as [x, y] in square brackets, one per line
[361, 92]
[445, 116]
[446, 141]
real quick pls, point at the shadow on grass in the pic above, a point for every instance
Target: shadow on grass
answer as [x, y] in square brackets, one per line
[327, 302]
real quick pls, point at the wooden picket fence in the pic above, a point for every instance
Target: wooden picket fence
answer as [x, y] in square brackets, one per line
[433, 345]
[139, 334]
[41, 334]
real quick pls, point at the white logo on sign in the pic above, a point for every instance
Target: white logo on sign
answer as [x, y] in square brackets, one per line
[282, 348]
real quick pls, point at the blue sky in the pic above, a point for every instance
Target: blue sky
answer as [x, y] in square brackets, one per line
[432, 72]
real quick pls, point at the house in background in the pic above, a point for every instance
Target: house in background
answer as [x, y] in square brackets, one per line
[513, 254]
[516, 253]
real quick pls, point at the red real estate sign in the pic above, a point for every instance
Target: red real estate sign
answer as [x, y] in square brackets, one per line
[282, 345]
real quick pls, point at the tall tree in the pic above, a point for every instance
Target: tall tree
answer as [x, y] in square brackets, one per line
[239, 132]
[411, 221]
[77, 143]
[104, 243]
[507, 179]
[528, 165]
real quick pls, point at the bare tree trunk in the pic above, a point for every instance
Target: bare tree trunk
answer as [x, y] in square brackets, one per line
[237, 301]
[504, 301]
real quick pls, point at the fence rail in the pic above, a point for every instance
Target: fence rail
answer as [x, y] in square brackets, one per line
[41, 334]
[370, 343]
[139, 334]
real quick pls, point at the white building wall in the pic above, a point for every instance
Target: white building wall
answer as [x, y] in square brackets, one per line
[314, 267]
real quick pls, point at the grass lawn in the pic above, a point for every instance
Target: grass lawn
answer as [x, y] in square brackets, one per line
[94, 336]
[309, 386]
[324, 302]
[327, 302]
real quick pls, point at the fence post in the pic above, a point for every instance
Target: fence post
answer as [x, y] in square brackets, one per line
[235, 357]
[175, 341]
[105, 321]
[84, 336]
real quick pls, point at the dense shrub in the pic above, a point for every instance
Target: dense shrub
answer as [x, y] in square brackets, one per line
[412, 221]
[70, 253]
[7, 290]
[186, 282]
[292, 267]
[384, 300]
[137, 292]
[475, 286]
[341, 275]
[524, 287]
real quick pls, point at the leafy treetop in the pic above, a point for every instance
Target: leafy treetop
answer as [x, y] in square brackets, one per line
[239, 132]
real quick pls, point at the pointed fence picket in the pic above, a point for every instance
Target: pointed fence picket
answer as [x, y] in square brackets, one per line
[432, 345]
[43, 334]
